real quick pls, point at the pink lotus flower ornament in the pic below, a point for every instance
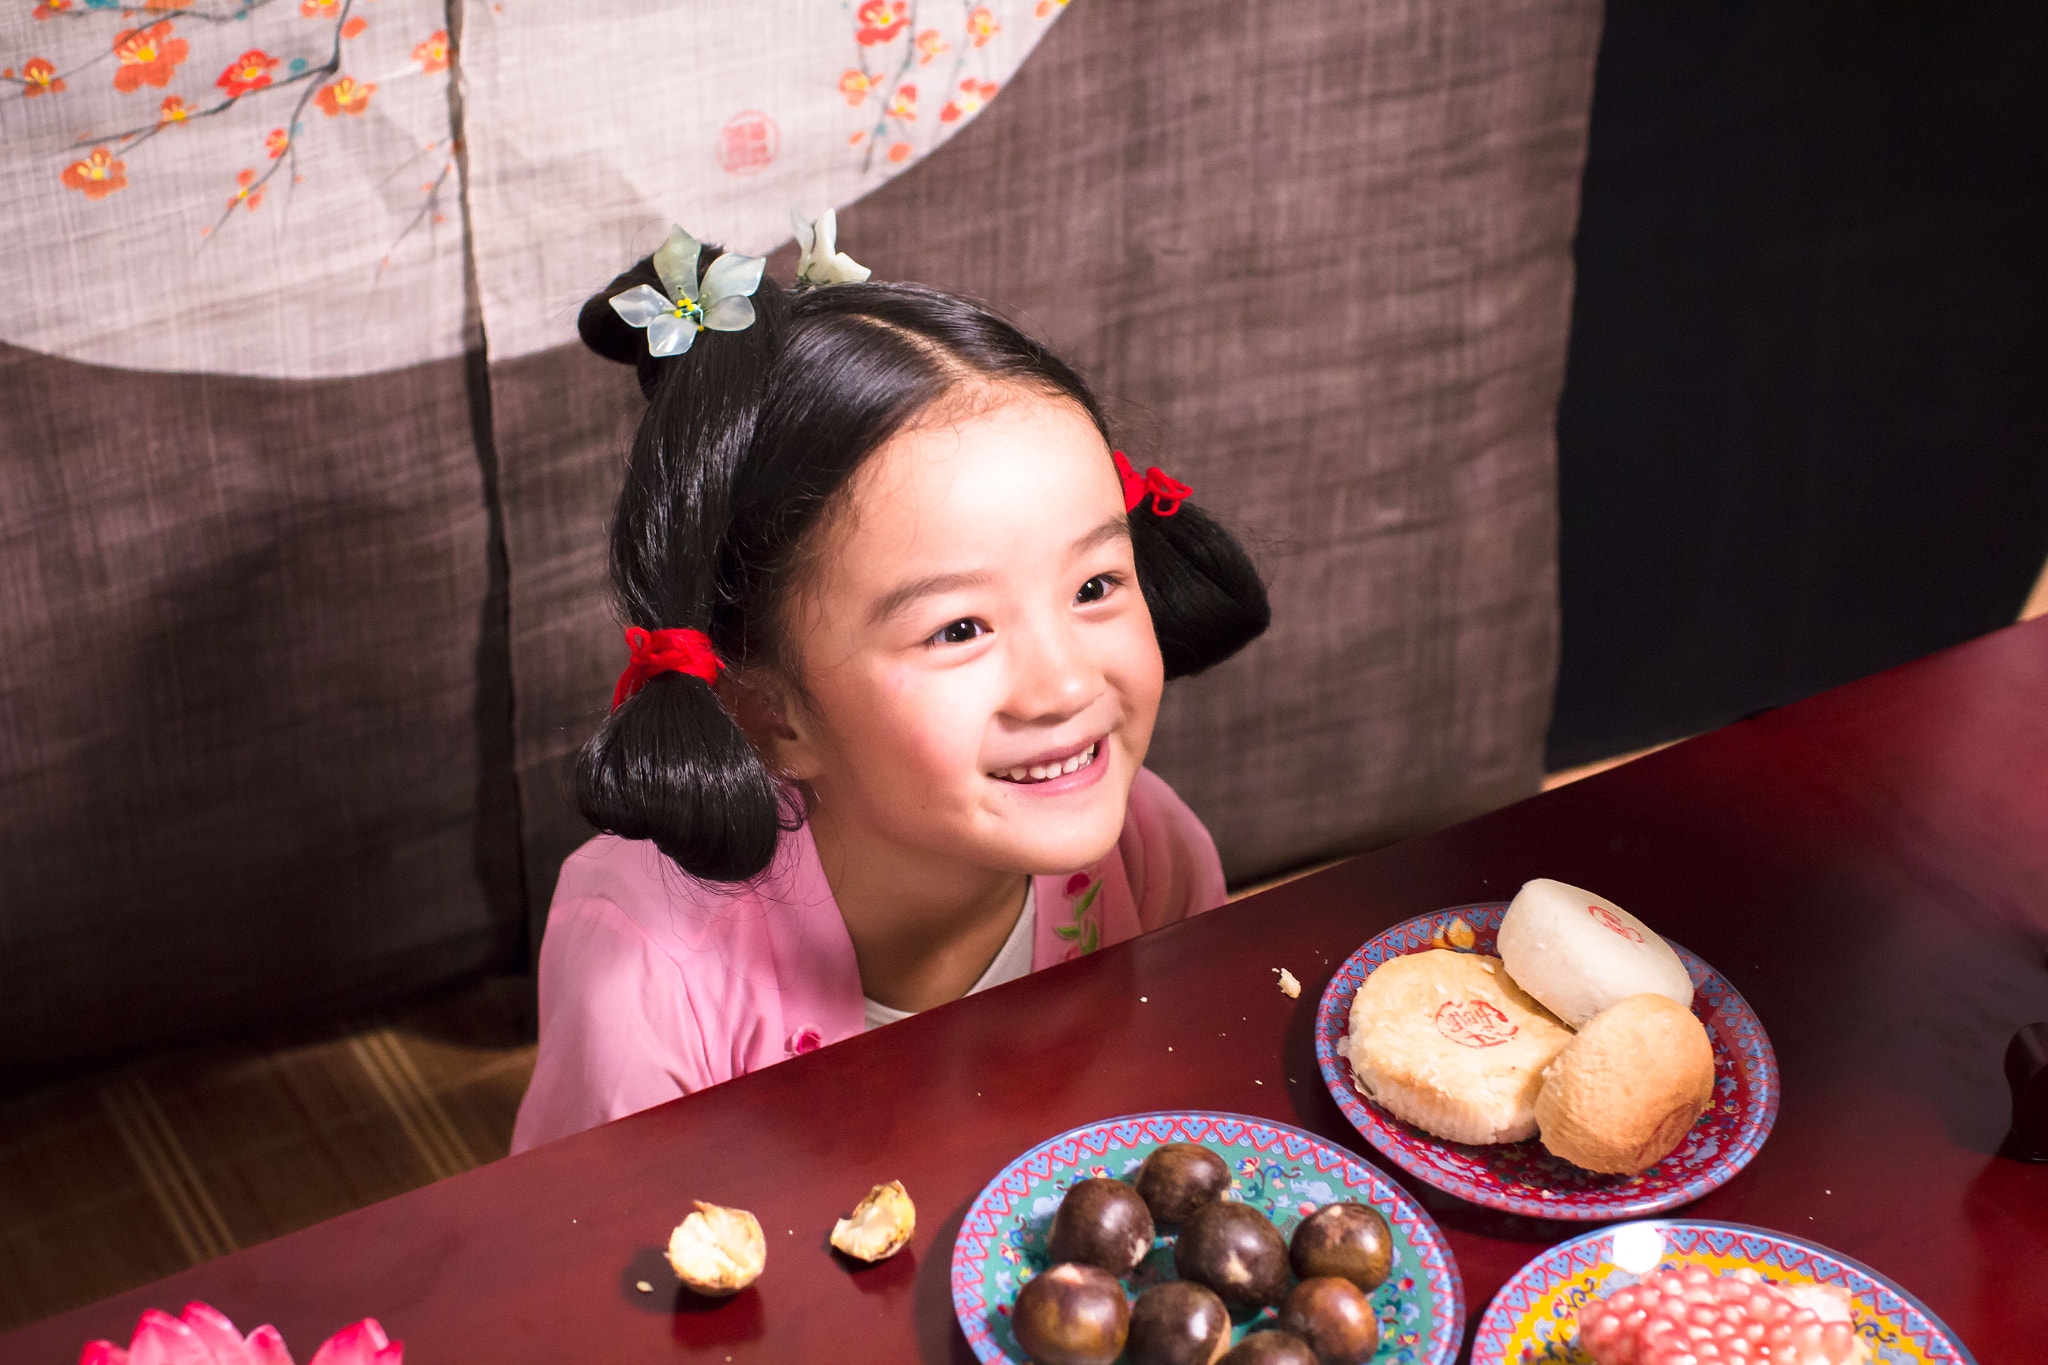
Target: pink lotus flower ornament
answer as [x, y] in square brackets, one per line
[204, 1336]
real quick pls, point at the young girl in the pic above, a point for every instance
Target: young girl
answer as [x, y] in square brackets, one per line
[899, 621]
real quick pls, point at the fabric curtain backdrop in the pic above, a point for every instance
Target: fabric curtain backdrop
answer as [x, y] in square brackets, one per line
[1318, 258]
[305, 606]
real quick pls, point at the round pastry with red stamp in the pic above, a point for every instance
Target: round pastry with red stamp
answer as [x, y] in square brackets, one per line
[1449, 1042]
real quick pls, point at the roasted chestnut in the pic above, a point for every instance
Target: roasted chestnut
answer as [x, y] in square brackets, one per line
[716, 1250]
[1101, 1223]
[1335, 1318]
[1271, 1347]
[1236, 1251]
[1347, 1240]
[1178, 1323]
[1179, 1178]
[1071, 1315]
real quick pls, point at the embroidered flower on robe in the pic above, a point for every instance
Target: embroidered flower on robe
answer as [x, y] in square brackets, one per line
[719, 302]
[99, 175]
[277, 143]
[931, 44]
[822, 262]
[855, 86]
[147, 56]
[904, 104]
[174, 110]
[982, 25]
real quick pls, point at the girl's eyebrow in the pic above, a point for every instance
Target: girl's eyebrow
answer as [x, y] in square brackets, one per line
[903, 594]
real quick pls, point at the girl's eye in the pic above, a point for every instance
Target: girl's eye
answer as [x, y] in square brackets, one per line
[958, 632]
[1097, 588]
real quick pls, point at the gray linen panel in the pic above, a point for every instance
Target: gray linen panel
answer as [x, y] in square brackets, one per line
[1318, 259]
[239, 722]
[563, 420]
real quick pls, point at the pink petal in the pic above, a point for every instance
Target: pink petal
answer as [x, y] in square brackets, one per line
[102, 1353]
[266, 1347]
[161, 1339]
[217, 1334]
[357, 1344]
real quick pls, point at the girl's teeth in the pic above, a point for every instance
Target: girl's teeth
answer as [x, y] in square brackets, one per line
[1042, 772]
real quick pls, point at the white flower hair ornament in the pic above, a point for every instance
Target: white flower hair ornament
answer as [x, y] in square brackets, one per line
[822, 262]
[720, 302]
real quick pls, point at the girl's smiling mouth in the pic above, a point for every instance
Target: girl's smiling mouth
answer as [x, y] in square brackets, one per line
[1047, 769]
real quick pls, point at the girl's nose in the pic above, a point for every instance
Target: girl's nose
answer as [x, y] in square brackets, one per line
[1052, 676]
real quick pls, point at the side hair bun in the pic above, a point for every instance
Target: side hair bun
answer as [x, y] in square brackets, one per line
[608, 334]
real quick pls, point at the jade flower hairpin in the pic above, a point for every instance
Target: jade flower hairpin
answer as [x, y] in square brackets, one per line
[720, 302]
[822, 262]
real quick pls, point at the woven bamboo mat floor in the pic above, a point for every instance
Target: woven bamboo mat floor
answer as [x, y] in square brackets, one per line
[119, 1177]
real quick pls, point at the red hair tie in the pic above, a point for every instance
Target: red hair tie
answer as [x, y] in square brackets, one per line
[1166, 492]
[664, 651]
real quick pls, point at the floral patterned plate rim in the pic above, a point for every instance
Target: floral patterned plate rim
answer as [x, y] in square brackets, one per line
[1280, 1169]
[1527, 1322]
[1521, 1177]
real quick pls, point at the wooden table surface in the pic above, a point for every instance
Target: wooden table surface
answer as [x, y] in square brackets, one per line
[1869, 868]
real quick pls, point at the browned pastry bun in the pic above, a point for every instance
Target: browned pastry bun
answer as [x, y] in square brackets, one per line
[1624, 1092]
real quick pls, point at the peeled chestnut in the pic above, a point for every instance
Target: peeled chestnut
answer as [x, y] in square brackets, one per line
[1101, 1223]
[1179, 1178]
[1071, 1315]
[1178, 1323]
[1272, 1347]
[1335, 1318]
[717, 1251]
[1347, 1240]
[1236, 1251]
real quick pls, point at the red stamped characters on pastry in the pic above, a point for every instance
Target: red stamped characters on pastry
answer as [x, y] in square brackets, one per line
[1611, 921]
[1473, 1023]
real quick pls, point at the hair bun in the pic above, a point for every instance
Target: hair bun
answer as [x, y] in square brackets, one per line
[608, 334]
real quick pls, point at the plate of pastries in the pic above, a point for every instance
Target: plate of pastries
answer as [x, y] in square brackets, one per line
[1552, 1057]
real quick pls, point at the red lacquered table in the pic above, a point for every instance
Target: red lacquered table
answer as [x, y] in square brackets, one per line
[1869, 868]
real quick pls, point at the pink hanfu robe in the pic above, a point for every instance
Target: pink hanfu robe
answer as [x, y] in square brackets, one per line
[653, 984]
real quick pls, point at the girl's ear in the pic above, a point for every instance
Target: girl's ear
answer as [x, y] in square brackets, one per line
[773, 721]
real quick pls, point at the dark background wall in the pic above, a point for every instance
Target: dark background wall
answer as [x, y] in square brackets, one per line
[1804, 430]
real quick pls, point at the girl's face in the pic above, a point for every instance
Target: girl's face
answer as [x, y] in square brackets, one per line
[980, 677]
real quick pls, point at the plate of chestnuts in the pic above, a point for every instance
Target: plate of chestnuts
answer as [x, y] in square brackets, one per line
[1202, 1239]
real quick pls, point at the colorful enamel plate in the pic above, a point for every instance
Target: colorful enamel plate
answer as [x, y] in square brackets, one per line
[1535, 1315]
[1281, 1170]
[1521, 1177]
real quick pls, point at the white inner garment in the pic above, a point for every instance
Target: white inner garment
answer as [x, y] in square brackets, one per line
[1011, 962]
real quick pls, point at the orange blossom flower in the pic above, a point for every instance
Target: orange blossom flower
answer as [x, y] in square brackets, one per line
[99, 175]
[345, 96]
[432, 55]
[250, 71]
[881, 20]
[37, 77]
[147, 56]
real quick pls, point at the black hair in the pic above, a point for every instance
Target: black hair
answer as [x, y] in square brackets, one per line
[747, 439]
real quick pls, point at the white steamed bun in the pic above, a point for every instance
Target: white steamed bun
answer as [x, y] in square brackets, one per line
[1578, 953]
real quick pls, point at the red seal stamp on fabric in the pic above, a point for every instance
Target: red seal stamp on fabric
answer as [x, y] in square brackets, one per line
[748, 142]
[1473, 1023]
[1613, 922]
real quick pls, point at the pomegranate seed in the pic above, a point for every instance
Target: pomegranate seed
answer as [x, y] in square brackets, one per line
[1689, 1316]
